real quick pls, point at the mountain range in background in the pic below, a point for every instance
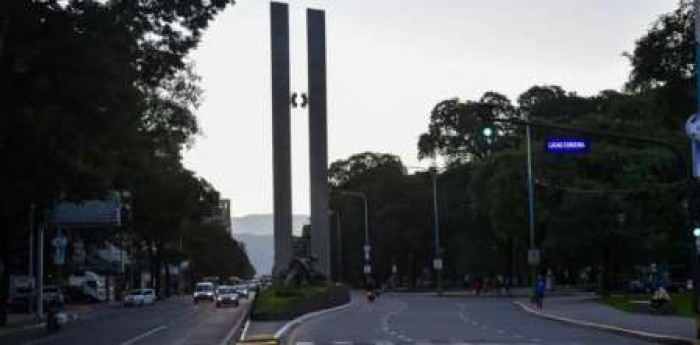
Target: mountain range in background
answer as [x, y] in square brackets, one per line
[256, 232]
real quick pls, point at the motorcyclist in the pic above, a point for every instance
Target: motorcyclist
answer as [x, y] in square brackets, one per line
[369, 290]
[54, 308]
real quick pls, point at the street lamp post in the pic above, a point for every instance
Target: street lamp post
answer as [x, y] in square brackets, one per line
[531, 200]
[367, 268]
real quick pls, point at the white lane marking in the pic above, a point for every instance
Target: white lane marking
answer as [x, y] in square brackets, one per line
[500, 331]
[342, 342]
[535, 340]
[518, 336]
[143, 335]
[245, 329]
[305, 343]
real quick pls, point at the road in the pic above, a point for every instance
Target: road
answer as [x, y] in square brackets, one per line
[425, 319]
[173, 321]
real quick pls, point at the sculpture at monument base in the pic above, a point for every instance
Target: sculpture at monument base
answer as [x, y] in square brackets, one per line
[302, 271]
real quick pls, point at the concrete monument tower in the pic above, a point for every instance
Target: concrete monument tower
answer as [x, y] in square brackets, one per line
[281, 137]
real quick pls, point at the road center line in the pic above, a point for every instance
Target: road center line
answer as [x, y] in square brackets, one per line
[143, 335]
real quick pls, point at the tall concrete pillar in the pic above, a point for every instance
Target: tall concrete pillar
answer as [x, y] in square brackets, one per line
[281, 136]
[318, 147]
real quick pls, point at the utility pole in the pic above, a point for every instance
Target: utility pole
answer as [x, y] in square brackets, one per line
[437, 261]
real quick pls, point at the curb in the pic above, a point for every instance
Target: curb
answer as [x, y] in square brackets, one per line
[298, 321]
[660, 338]
[237, 327]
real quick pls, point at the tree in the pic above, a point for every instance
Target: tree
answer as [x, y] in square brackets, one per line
[91, 92]
[455, 129]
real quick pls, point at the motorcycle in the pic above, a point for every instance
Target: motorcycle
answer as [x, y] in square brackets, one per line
[55, 319]
[370, 296]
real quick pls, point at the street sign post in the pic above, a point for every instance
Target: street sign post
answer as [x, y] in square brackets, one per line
[533, 257]
[367, 269]
[567, 145]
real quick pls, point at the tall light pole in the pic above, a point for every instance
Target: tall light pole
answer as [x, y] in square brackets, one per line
[437, 263]
[368, 268]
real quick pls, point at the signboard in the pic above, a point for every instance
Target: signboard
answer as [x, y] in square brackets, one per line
[533, 257]
[59, 249]
[437, 264]
[692, 129]
[88, 213]
[367, 269]
[366, 248]
[567, 145]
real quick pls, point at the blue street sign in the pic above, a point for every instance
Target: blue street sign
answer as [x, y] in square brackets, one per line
[567, 145]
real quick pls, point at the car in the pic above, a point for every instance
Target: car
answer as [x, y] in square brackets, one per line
[242, 290]
[204, 291]
[226, 295]
[140, 297]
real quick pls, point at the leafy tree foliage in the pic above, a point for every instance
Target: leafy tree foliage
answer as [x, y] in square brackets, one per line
[98, 96]
[603, 214]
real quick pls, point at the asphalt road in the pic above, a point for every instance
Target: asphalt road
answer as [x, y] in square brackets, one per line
[424, 319]
[173, 321]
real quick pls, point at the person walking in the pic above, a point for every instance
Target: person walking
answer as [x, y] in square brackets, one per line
[540, 287]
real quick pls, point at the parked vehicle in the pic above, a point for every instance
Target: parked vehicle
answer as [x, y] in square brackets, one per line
[140, 297]
[90, 285]
[226, 295]
[204, 291]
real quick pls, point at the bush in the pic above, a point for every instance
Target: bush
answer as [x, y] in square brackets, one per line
[284, 303]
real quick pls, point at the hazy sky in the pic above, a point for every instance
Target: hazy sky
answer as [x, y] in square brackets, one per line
[389, 63]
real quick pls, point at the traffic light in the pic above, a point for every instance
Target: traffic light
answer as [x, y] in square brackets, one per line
[487, 131]
[696, 232]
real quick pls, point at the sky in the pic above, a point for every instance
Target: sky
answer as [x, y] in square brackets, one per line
[389, 62]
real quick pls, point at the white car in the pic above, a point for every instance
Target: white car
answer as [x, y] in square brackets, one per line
[204, 291]
[140, 297]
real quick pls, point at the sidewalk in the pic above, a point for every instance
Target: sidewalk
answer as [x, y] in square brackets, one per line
[24, 321]
[588, 312]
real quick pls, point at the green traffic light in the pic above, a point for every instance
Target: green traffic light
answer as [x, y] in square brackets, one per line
[696, 232]
[488, 131]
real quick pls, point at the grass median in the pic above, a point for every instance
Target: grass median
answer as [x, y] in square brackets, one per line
[282, 300]
[626, 302]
